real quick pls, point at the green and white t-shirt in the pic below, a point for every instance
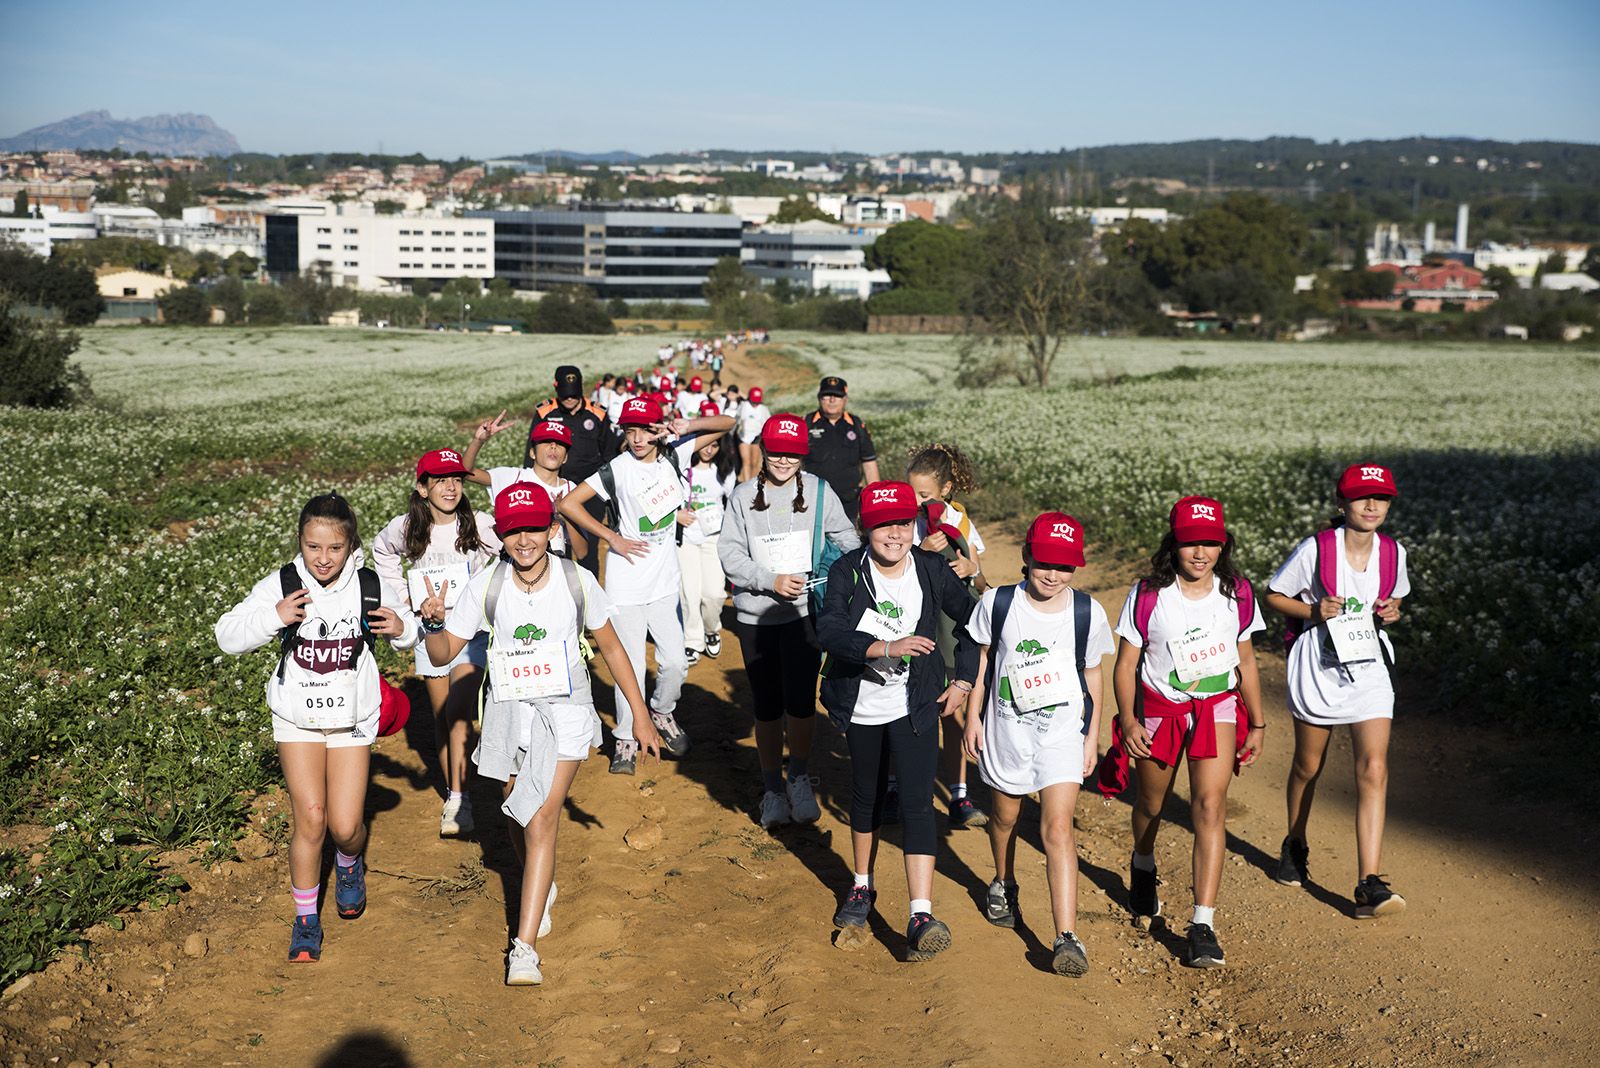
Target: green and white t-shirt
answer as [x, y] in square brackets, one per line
[642, 488]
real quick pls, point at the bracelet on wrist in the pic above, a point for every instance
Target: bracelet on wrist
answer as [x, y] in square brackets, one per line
[1258, 726]
[431, 627]
[965, 687]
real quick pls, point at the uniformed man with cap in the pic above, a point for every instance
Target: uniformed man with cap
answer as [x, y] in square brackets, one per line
[841, 448]
[593, 443]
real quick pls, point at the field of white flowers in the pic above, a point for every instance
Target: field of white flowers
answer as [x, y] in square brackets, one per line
[126, 734]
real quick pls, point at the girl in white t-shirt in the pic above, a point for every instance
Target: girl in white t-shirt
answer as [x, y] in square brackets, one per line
[326, 699]
[1186, 686]
[643, 577]
[710, 480]
[752, 415]
[1341, 590]
[549, 444]
[937, 472]
[441, 541]
[1033, 717]
[539, 721]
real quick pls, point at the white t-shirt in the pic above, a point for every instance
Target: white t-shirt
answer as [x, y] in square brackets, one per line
[1321, 690]
[547, 614]
[708, 496]
[614, 407]
[1053, 632]
[974, 539]
[752, 417]
[1175, 617]
[655, 574]
[441, 556]
[501, 477]
[882, 696]
[688, 404]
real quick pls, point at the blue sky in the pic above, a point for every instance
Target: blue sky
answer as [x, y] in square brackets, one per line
[480, 78]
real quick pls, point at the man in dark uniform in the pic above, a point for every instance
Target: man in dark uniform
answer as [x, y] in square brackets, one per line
[593, 444]
[841, 448]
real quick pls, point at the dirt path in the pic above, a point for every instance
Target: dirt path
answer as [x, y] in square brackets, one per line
[686, 935]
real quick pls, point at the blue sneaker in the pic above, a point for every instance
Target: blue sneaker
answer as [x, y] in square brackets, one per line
[350, 889]
[856, 908]
[305, 940]
[926, 937]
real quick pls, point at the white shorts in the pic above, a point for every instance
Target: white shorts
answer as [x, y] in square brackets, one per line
[363, 733]
[1014, 760]
[503, 742]
[475, 652]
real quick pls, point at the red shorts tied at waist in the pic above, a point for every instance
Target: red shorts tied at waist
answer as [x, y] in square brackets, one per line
[1166, 741]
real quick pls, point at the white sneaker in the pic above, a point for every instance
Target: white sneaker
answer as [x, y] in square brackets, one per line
[774, 809]
[549, 901]
[522, 965]
[455, 818]
[803, 801]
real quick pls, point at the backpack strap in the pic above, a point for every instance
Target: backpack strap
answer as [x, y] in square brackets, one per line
[289, 581]
[569, 571]
[816, 522]
[371, 601]
[1388, 566]
[1144, 606]
[1080, 650]
[491, 592]
[1328, 561]
[1003, 596]
[1245, 600]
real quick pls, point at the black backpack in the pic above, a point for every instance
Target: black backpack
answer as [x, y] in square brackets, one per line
[1003, 597]
[371, 599]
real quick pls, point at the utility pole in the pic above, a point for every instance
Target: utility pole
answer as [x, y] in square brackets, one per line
[1416, 198]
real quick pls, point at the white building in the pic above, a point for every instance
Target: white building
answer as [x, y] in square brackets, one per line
[872, 210]
[984, 175]
[38, 233]
[1569, 282]
[772, 168]
[818, 256]
[381, 252]
[1112, 217]
[1522, 262]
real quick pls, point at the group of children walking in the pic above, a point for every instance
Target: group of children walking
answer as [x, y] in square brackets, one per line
[924, 664]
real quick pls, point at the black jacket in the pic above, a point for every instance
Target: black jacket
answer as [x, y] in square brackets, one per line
[593, 443]
[851, 595]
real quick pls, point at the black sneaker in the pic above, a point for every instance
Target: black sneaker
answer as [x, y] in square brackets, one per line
[1143, 901]
[963, 813]
[855, 909]
[999, 905]
[1374, 899]
[1204, 952]
[1070, 958]
[926, 937]
[1292, 857]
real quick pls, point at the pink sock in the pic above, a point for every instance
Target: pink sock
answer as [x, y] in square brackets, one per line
[342, 860]
[305, 901]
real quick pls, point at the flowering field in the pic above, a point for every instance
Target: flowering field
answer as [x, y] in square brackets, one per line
[144, 518]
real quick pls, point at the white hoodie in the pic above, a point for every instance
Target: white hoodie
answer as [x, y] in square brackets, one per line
[333, 621]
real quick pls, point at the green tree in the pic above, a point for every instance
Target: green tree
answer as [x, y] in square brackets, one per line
[207, 264]
[184, 306]
[69, 288]
[229, 295]
[266, 307]
[727, 281]
[1501, 280]
[35, 362]
[179, 195]
[500, 287]
[241, 265]
[19, 204]
[570, 310]
[800, 209]
[388, 207]
[922, 255]
[421, 288]
[617, 308]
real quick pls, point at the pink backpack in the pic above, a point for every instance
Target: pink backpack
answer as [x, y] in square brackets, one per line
[1328, 573]
[1144, 606]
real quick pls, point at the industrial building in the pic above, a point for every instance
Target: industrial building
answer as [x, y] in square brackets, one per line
[817, 256]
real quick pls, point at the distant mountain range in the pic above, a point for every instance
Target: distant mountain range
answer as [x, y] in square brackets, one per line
[166, 135]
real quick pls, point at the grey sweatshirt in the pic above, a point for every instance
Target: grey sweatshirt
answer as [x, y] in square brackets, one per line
[753, 597]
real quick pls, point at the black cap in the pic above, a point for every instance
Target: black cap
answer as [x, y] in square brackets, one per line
[569, 381]
[832, 386]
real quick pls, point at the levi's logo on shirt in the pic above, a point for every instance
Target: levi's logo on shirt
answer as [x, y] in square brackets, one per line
[327, 650]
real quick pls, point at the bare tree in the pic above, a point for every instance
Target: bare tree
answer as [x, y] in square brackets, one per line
[1033, 284]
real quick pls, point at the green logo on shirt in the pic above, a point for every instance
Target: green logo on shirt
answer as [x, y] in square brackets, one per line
[529, 633]
[889, 610]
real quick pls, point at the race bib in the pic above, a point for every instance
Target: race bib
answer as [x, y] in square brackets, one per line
[1043, 682]
[885, 622]
[708, 517]
[530, 672]
[783, 554]
[660, 498]
[455, 574]
[1355, 637]
[322, 702]
[1200, 656]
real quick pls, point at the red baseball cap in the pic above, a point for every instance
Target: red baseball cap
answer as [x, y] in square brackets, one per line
[755, 395]
[553, 430]
[627, 385]
[785, 435]
[1055, 539]
[521, 506]
[709, 408]
[887, 502]
[640, 411]
[1198, 519]
[695, 384]
[440, 463]
[1367, 480]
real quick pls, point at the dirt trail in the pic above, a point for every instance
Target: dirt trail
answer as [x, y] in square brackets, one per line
[707, 941]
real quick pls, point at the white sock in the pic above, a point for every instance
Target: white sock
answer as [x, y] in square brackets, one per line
[864, 880]
[921, 904]
[958, 791]
[1144, 861]
[1205, 914]
[515, 942]
[456, 795]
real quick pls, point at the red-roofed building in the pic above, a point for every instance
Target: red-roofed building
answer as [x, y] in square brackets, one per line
[1428, 287]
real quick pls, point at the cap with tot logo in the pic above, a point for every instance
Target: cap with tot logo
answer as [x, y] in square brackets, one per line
[640, 411]
[1055, 539]
[887, 502]
[552, 430]
[1367, 480]
[569, 381]
[709, 408]
[522, 506]
[785, 435]
[1198, 519]
[695, 384]
[440, 463]
[755, 395]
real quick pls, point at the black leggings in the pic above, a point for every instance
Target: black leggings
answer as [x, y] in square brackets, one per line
[916, 757]
[781, 660]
